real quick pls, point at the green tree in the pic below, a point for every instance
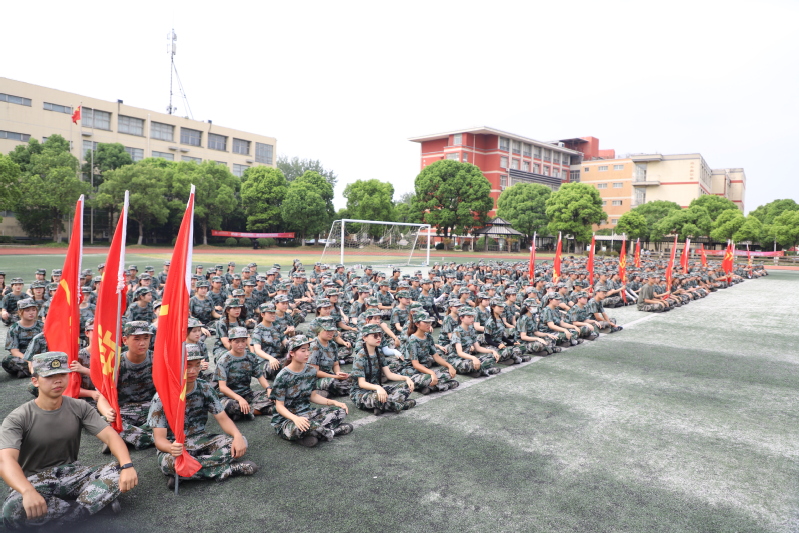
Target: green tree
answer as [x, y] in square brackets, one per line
[304, 209]
[751, 230]
[453, 197]
[147, 182]
[726, 225]
[692, 222]
[107, 156]
[654, 212]
[786, 228]
[524, 206]
[370, 200]
[49, 186]
[574, 209]
[404, 209]
[295, 167]
[262, 193]
[766, 213]
[714, 205]
[633, 224]
[10, 175]
[215, 192]
[323, 187]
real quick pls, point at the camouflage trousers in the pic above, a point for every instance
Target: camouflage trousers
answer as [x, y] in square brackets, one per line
[367, 399]
[344, 353]
[72, 492]
[587, 331]
[259, 401]
[270, 373]
[602, 324]
[422, 380]
[539, 345]
[466, 366]
[611, 301]
[213, 452]
[336, 387]
[135, 430]
[303, 309]
[16, 366]
[649, 308]
[323, 421]
[510, 353]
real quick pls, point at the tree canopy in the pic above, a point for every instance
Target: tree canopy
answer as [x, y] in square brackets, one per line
[304, 209]
[692, 222]
[524, 206]
[726, 225]
[766, 213]
[786, 228]
[293, 168]
[215, 192]
[574, 209]
[452, 196]
[10, 174]
[107, 156]
[633, 225]
[370, 200]
[654, 212]
[262, 194]
[714, 205]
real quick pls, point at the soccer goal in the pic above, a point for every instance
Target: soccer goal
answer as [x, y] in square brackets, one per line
[377, 243]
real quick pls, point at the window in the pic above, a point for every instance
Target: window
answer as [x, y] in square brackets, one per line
[574, 175]
[618, 185]
[15, 99]
[601, 185]
[164, 132]
[538, 152]
[217, 142]
[640, 195]
[616, 202]
[164, 155]
[556, 172]
[614, 221]
[221, 163]
[527, 150]
[191, 137]
[57, 108]
[546, 171]
[503, 161]
[14, 136]
[604, 203]
[547, 155]
[517, 147]
[504, 144]
[241, 146]
[503, 181]
[526, 166]
[94, 118]
[603, 168]
[464, 157]
[189, 159]
[453, 156]
[88, 145]
[238, 170]
[263, 153]
[618, 167]
[457, 139]
[137, 154]
[586, 169]
[565, 159]
[536, 168]
[514, 164]
[131, 125]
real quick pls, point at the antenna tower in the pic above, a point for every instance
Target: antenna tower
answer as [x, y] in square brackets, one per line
[171, 49]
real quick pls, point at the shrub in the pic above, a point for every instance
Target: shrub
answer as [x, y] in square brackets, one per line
[457, 247]
[245, 241]
[230, 241]
[439, 246]
[266, 243]
[481, 243]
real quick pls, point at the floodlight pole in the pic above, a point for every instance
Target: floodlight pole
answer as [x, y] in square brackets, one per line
[429, 229]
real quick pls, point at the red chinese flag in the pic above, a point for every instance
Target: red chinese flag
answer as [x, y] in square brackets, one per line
[590, 264]
[729, 260]
[702, 255]
[531, 273]
[556, 267]
[684, 256]
[748, 256]
[638, 253]
[169, 359]
[76, 115]
[62, 325]
[623, 268]
[670, 268]
[106, 340]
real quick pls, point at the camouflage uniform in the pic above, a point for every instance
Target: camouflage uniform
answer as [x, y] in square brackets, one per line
[237, 372]
[495, 330]
[610, 301]
[222, 326]
[594, 307]
[19, 337]
[554, 316]
[218, 299]
[294, 390]
[422, 350]
[136, 313]
[271, 341]
[370, 367]
[385, 299]
[581, 314]
[399, 316]
[325, 358]
[213, 452]
[135, 391]
[467, 338]
[10, 305]
[449, 325]
[295, 293]
[37, 345]
[202, 309]
[526, 324]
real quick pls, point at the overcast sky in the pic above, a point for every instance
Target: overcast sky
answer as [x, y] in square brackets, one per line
[349, 82]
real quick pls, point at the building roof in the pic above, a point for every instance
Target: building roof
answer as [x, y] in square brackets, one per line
[498, 226]
[485, 130]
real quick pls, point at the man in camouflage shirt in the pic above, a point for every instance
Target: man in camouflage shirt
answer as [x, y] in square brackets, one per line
[19, 335]
[135, 387]
[141, 309]
[201, 306]
[422, 354]
[464, 346]
[268, 342]
[580, 316]
[552, 322]
[300, 298]
[8, 309]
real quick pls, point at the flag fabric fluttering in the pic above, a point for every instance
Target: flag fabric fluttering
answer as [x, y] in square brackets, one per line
[556, 262]
[684, 256]
[729, 260]
[670, 268]
[623, 268]
[531, 273]
[169, 360]
[590, 264]
[638, 253]
[748, 255]
[702, 255]
[62, 325]
[76, 115]
[106, 339]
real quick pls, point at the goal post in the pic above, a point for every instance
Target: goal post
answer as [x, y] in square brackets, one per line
[378, 243]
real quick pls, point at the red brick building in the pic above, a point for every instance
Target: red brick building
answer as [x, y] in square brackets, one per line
[504, 158]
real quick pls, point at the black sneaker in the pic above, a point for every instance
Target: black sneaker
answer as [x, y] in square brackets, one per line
[424, 390]
[409, 404]
[377, 411]
[343, 429]
[453, 384]
[104, 449]
[526, 358]
[170, 482]
[309, 442]
[116, 507]
[475, 374]
[617, 328]
[246, 468]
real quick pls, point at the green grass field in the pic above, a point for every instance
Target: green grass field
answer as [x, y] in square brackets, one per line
[685, 421]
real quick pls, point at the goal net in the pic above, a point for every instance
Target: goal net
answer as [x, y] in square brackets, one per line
[377, 243]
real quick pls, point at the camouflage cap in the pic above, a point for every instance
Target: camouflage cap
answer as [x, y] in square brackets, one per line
[216, 279]
[498, 302]
[219, 267]
[101, 266]
[233, 302]
[267, 308]
[201, 284]
[372, 302]
[466, 311]
[40, 284]
[231, 263]
[133, 267]
[237, 333]
[52, 286]
[85, 289]
[280, 298]
[383, 284]
[403, 294]
[415, 305]
[323, 302]
[248, 283]
[57, 271]
[237, 292]
[50, 363]
[529, 302]
[580, 294]
[455, 303]
[97, 279]
[369, 313]
[149, 269]
[167, 262]
[555, 296]
[194, 323]
[137, 327]
[298, 341]
[332, 292]
[41, 271]
[25, 303]
[327, 323]
[281, 287]
[141, 291]
[15, 281]
[369, 329]
[194, 352]
[422, 317]
[464, 291]
[364, 288]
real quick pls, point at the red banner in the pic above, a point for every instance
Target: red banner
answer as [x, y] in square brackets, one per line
[638, 253]
[742, 253]
[62, 325]
[556, 262]
[218, 233]
[703, 255]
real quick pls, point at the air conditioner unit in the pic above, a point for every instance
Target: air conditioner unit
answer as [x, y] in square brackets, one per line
[249, 161]
[173, 147]
[184, 150]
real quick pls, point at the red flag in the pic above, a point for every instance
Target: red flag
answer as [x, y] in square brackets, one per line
[531, 273]
[106, 340]
[556, 262]
[169, 359]
[729, 260]
[702, 255]
[684, 256]
[590, 264]
[62, 325]
[623, 268]
[638, 253]
[76, 115]
[670, 268]
[748, 255]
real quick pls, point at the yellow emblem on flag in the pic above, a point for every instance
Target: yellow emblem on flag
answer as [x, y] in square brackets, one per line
[164, 310]
[65, 286]
[108, 350]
